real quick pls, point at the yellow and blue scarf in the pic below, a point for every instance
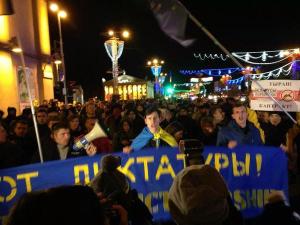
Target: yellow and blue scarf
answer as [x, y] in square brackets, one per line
[145, 136]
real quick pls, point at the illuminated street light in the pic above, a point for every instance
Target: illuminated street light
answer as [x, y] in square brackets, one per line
[156, 66]
[16, 49]
[114, 48]
[125, 34]
[57, 62]
[61, 14]
[53, 7]
[111, 33]
[14, 45]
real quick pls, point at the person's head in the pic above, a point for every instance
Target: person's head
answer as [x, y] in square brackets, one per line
[26, 113]
[73, 122]
[45, 102]
[90, 108]
[240, 115]
[66, 205]
[152, 118]
[125, 125]
[90, 123]
[162, 113]
[204, 109]
[131, 114]
[140, 108]
[183, 112]
[199, 195]
[52, 112]
[116, 110]
[176, 130]
[278, 211]
[19, 128]
[78, 106]
[231, 101]
[52, 120]
[169, 115]
[42, 117]
[218, 113]
[274, 118]
[70, 111]
[3, 133]
[207, 125]
[103, 181]
[11, 111]
[263, 116]
[61, 133]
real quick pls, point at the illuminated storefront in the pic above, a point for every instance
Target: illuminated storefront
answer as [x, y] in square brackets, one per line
[34, 37]
[129, 88]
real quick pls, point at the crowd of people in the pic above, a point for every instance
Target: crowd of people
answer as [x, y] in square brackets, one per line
[130, 125]
[135, 125]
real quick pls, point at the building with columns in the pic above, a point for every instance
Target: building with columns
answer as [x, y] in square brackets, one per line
[129, 88]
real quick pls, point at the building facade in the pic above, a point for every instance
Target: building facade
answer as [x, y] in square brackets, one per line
[129, 88]
[29, 24]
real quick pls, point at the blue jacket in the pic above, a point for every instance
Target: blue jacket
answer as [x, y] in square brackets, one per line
[248, 136]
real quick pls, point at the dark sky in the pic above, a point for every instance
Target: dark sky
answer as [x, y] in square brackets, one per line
[239, 25]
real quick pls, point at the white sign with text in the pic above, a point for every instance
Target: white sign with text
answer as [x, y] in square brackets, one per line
[286, 92]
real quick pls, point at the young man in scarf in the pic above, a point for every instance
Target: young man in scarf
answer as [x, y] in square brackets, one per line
[152, 135]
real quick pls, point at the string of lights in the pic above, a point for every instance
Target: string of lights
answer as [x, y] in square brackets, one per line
[258, 58]
[184, 84]
[235, 81]
[284, 70]
[265, 57]
[216, 72]
[211, 56]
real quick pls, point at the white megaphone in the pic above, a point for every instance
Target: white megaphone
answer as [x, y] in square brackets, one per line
[96, 132]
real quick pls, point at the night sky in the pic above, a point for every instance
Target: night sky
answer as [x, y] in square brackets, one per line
[238, 25]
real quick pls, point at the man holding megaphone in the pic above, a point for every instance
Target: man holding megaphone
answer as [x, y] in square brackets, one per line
[60, 147]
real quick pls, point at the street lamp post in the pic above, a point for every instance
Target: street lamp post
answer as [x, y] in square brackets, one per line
[161, 80]
[57, 63]
[61, 14]
[156, 66]
[114, 48]
[56, 59]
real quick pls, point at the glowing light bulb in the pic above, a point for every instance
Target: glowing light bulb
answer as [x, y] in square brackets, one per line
[264, 56]
[247, 56]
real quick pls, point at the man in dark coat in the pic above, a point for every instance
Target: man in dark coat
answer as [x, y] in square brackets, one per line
[239, 130]
[11, 154]
[59, 145]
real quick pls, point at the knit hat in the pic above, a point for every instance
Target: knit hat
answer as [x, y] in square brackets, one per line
[109, 179]
[275, 112]
[110, 162]
[198, 195]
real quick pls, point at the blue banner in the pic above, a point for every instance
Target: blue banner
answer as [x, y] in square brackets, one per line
[250, 172]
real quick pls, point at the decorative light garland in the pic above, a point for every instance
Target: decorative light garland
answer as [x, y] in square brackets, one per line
[260, 57]
[235, 81]
[285, 70]
[185, 84]
[216, 72]
[278, 55]
[211, 56]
